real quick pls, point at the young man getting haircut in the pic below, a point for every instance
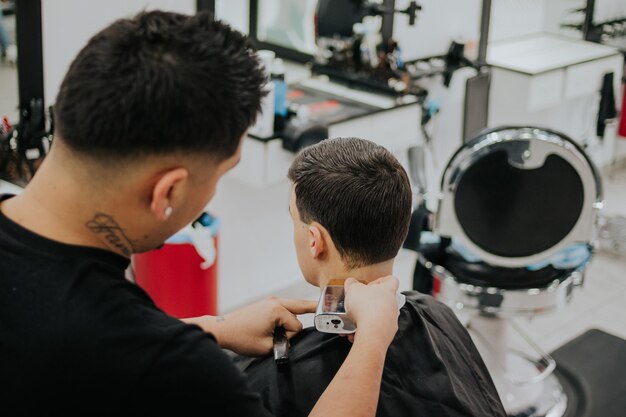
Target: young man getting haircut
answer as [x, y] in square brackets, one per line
[149, 117]
[351, 206]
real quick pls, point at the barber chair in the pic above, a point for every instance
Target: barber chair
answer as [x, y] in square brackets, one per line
[514, 198]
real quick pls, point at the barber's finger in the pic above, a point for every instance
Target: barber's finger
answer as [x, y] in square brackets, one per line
[298, 306]
[289, 322]
[377, 281]
[290, 334]
[349, 336]
[349, 283]
[389, 280]
[381, 280]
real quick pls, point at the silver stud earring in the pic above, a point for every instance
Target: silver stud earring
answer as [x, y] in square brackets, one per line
[168, 212]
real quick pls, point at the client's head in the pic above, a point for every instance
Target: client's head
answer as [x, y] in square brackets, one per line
[351, 207]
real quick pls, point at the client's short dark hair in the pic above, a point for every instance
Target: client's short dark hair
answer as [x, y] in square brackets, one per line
[359, 192]
[158, 83]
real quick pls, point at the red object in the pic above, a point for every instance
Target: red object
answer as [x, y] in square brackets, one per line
[6, 123]
[294, 94]
[622, 122]
[324, 106]
[173, 278]
[436, 287]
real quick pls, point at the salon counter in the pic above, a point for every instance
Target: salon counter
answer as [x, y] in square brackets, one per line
[391, 122]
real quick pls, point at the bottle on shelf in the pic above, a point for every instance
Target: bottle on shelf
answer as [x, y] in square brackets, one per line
[280, 95]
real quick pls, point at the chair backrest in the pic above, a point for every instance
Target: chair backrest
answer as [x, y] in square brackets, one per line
[515, 196]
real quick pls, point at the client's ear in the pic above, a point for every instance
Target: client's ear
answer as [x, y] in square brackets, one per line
[167, 191]
[317, 241]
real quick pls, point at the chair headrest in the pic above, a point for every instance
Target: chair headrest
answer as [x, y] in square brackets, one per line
[517, 195]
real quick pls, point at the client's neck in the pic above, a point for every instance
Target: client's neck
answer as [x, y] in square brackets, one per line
[364, 274]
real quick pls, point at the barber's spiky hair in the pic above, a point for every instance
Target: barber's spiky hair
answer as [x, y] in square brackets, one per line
[157, 83]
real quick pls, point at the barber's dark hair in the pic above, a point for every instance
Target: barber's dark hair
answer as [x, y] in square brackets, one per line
[359, 192]
[158, 83]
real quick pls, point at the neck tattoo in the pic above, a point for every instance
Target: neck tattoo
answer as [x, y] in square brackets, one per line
[108, 230]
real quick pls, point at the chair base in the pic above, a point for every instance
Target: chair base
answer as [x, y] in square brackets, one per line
[547, 400]
[527, 387]
[504, 303]
[515, 374]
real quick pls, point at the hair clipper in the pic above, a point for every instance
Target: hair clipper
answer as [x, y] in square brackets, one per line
[331, 315]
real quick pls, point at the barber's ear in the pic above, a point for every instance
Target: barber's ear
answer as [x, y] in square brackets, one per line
[165, 191]
[317, 245]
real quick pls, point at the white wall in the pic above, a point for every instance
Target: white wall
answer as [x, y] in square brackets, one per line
[513, 18]
[609, 9]
[234, 12]
[439, 22]
[67, 25]
[559, 11]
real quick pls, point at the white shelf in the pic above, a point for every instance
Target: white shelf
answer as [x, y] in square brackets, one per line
[537, 54]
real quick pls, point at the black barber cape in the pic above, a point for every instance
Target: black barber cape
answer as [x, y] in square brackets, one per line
[77, 338]
[432, 369]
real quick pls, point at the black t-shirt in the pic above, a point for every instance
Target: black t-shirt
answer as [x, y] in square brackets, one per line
[77, 338]
[432, 369]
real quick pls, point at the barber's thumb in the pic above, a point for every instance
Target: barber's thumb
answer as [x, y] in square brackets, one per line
[389, 281]
[348, 283]
[394, 282]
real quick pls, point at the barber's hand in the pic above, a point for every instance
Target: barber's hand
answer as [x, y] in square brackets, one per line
[249, 331]
[374, 307]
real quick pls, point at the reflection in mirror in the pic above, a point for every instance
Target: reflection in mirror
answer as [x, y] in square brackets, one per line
[288, 23]
[8, 63]
[9, 113]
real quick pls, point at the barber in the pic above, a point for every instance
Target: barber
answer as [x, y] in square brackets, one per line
[149, 117]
